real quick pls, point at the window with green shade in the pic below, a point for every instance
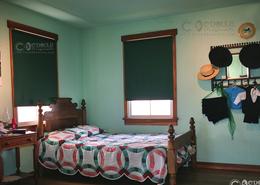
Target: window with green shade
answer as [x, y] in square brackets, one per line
[150, 78]
[33, 65]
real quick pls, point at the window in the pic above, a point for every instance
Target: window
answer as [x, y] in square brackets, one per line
[33, 68]
[151, 108]
[29, 113]
[150, 78]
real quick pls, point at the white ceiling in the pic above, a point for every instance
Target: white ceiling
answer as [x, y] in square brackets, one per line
[90, 13]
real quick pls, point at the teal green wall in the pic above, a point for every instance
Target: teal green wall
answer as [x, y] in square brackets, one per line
[69, 65]
[103, 78]
[90, 66]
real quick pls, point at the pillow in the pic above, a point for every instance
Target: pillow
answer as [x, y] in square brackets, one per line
[86, 130]
[59, 136]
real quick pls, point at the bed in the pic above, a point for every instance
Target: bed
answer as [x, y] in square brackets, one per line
[69, 145]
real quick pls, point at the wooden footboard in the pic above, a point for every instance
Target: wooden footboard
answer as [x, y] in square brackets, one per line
[174, 143]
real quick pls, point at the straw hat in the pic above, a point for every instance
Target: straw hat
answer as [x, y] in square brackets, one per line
[207, 72]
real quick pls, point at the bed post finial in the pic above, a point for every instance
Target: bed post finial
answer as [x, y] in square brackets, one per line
[171, 157]
[171, 132]
[83, 104]
[83, 109]
[193, 142]
[40, 121]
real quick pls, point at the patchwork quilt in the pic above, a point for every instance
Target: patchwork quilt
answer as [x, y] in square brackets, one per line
[91, 152]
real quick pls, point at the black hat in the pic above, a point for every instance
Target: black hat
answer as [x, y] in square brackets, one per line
[249, 56]
[220, 56]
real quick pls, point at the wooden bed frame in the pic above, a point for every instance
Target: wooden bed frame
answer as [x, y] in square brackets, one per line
[64, 114]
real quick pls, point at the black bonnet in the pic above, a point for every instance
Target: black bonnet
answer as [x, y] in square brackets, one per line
[220, 56]
[249, 56]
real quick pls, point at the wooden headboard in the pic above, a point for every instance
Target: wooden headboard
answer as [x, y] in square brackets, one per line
[63, 114]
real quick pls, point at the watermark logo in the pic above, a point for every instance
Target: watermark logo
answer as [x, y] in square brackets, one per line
[34, 47]
[208, 26]
[234, 182]
[244, 182]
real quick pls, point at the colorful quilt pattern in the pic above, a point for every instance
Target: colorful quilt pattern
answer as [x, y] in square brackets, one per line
[91, 153]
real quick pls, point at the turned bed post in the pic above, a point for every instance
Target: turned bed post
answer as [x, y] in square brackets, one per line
[193, 143]
[40, 122]
[171, 156]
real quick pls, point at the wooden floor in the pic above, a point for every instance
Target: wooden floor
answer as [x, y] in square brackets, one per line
[184, 177]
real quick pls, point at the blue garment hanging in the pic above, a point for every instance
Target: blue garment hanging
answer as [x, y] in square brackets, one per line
[232, 93]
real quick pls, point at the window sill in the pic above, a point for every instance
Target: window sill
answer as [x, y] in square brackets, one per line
[135, 121]
[32, 125]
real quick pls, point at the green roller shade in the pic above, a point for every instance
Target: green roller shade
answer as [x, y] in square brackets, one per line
[34, 68]
[148, 69]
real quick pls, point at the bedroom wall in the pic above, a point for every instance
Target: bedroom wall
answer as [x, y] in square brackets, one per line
[69, 65]
[103, 79]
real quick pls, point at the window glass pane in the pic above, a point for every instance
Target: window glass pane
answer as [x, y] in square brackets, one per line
[161, 107]
[140, 107]
[29, 113]
[150, 108]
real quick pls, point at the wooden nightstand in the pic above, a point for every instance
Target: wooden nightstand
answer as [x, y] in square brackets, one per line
[16, 141]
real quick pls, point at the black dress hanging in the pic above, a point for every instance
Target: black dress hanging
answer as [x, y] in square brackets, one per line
[249, 108]
[215, 109]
